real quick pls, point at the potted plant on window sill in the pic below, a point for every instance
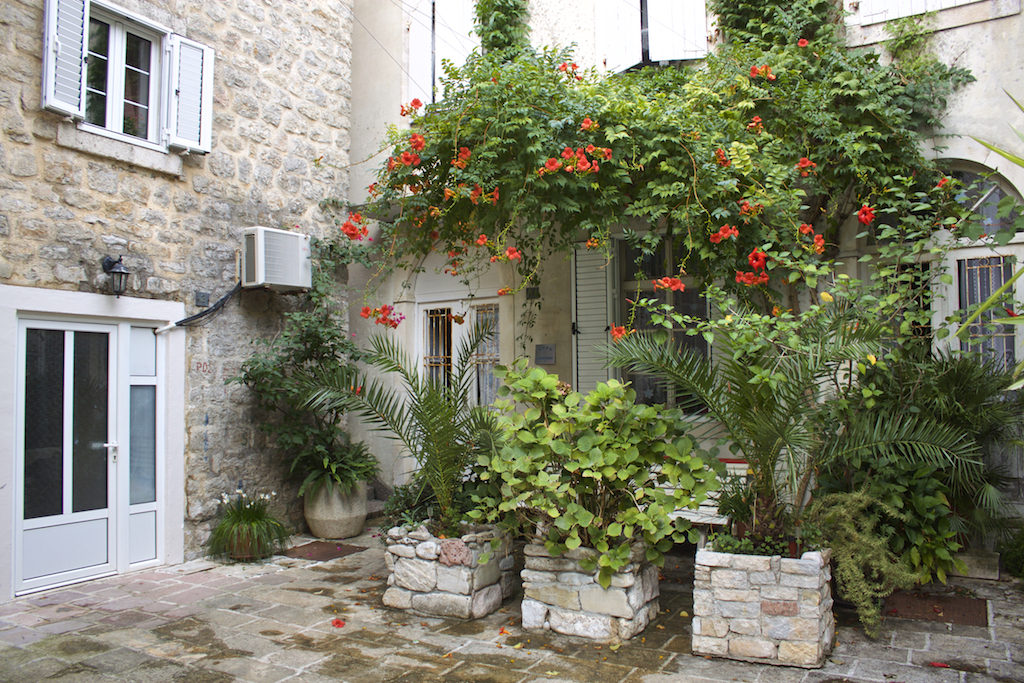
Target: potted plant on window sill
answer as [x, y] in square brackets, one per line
[591, 481]
[438, 565]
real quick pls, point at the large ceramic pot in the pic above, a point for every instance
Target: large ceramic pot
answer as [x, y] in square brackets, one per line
[331, 513]
[764, 609]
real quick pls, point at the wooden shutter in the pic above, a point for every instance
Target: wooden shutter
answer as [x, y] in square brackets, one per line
[592, 323]
[618, 33]
[677, 29]
[190, 91]
[66, 26]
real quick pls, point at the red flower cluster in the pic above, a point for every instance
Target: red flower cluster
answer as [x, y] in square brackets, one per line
[353, 227]
[410, 109]
[757, 260]
[463, 156]
[512, 254]
[941, 183]
[806, 166]
[618, 332]
[410, 159]
[806, 228]
[383, 315]
[721, 159]
[819, 244]
[866, 214]
[593, 243]
[569, 68]
[417, 142]
[763, 70]
[724, 232]
[576, 160]
[504, 290]
[802, 42]
[755, 126]
[481, 240]
[748, 209]
[673, 284]
[587, 124]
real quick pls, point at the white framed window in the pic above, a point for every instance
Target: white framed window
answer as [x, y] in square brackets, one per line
[635, 32]
[439, 30]
[125, 77]
[445, 326]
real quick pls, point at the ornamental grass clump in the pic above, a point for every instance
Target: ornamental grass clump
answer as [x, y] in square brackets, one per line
[597, 471]
[247, 530]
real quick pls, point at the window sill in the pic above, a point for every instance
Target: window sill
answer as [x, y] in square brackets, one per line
[873, 33]
[71, 136]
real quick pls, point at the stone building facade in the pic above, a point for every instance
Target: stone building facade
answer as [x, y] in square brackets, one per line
[270, 140]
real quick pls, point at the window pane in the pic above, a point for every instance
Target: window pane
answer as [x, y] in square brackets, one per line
[44, 422]
[99, 38]
[136, 121]
[137, 52]
[89, 422]
[142, 428]
[978, 278]
[983, 195]
[143, 352]
[96, 73]
[136, 87]
[96, 108]
[486, 357]
[438, 344]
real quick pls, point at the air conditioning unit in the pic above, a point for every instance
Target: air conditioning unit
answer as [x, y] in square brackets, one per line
[276, 259]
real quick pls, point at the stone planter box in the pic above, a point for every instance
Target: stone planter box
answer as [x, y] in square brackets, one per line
[770, 610]
[444, 576]
[561, 596]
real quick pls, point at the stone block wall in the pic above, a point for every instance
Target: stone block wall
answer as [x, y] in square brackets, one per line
[280, 139]
[559, 595]
[447, 577]
[771, 610]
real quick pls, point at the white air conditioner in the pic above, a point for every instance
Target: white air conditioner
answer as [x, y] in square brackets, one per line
[275, 259]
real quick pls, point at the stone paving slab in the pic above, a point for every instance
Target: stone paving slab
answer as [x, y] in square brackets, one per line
[207, 622]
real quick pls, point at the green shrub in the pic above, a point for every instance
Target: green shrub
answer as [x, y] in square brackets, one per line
[1012, 554]
[597, 471]
[246, 530]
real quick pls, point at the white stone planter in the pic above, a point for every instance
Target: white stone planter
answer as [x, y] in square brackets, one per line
[445, 577]
[333, 514]
[561, 596]
[770, 610]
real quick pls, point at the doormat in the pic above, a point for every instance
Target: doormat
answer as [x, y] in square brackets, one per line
[949, 609]
[319, 551]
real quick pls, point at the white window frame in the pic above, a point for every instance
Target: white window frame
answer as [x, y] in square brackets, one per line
[181, 76]
[466, 309]
[868, 12]
[675, 30]
[438, 30]
[120, 26]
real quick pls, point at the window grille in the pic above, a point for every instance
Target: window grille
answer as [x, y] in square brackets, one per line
[438, 344]
[978, 278]
[486, 357]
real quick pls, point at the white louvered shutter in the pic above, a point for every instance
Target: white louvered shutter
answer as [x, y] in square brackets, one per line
[618, 33]
[66, 26]
[591, 282]
[190, 91]
[421, 69]
[677, 29]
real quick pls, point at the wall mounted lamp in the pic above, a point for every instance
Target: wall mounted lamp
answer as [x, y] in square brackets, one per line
[118, 274]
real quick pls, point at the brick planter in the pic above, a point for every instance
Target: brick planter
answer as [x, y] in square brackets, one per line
[561, 596]
[769, 610]
[444, 577]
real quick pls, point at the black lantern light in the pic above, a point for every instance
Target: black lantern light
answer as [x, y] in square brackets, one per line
[118, 274]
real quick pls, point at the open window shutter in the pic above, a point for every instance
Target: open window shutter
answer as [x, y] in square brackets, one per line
[420, 73]
[190, 95]
[66, 23]
[591, 279]
[618, 33]
[677, 29]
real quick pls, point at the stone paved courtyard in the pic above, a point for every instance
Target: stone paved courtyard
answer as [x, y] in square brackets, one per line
[206, 622]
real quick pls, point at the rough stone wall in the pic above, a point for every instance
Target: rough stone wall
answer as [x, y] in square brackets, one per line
[280, 145]
[763, 609]
[559, 595]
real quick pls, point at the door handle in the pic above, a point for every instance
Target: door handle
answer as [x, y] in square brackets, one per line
[112, 448]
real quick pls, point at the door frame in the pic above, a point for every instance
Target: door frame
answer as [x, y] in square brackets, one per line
[81, 307]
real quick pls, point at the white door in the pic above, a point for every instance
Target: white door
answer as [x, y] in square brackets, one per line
[66, 453]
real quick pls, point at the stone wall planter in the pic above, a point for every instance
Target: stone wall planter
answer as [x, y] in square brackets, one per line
[444, 577]
[331, 513]
[770, 610]
[561, 596]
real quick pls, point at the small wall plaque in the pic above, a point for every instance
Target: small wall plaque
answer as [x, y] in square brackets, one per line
[544, 354]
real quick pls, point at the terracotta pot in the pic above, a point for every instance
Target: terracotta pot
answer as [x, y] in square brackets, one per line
[333, 514]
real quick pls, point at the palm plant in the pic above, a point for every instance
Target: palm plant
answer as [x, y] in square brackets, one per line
[767, 396]
[430, 414]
